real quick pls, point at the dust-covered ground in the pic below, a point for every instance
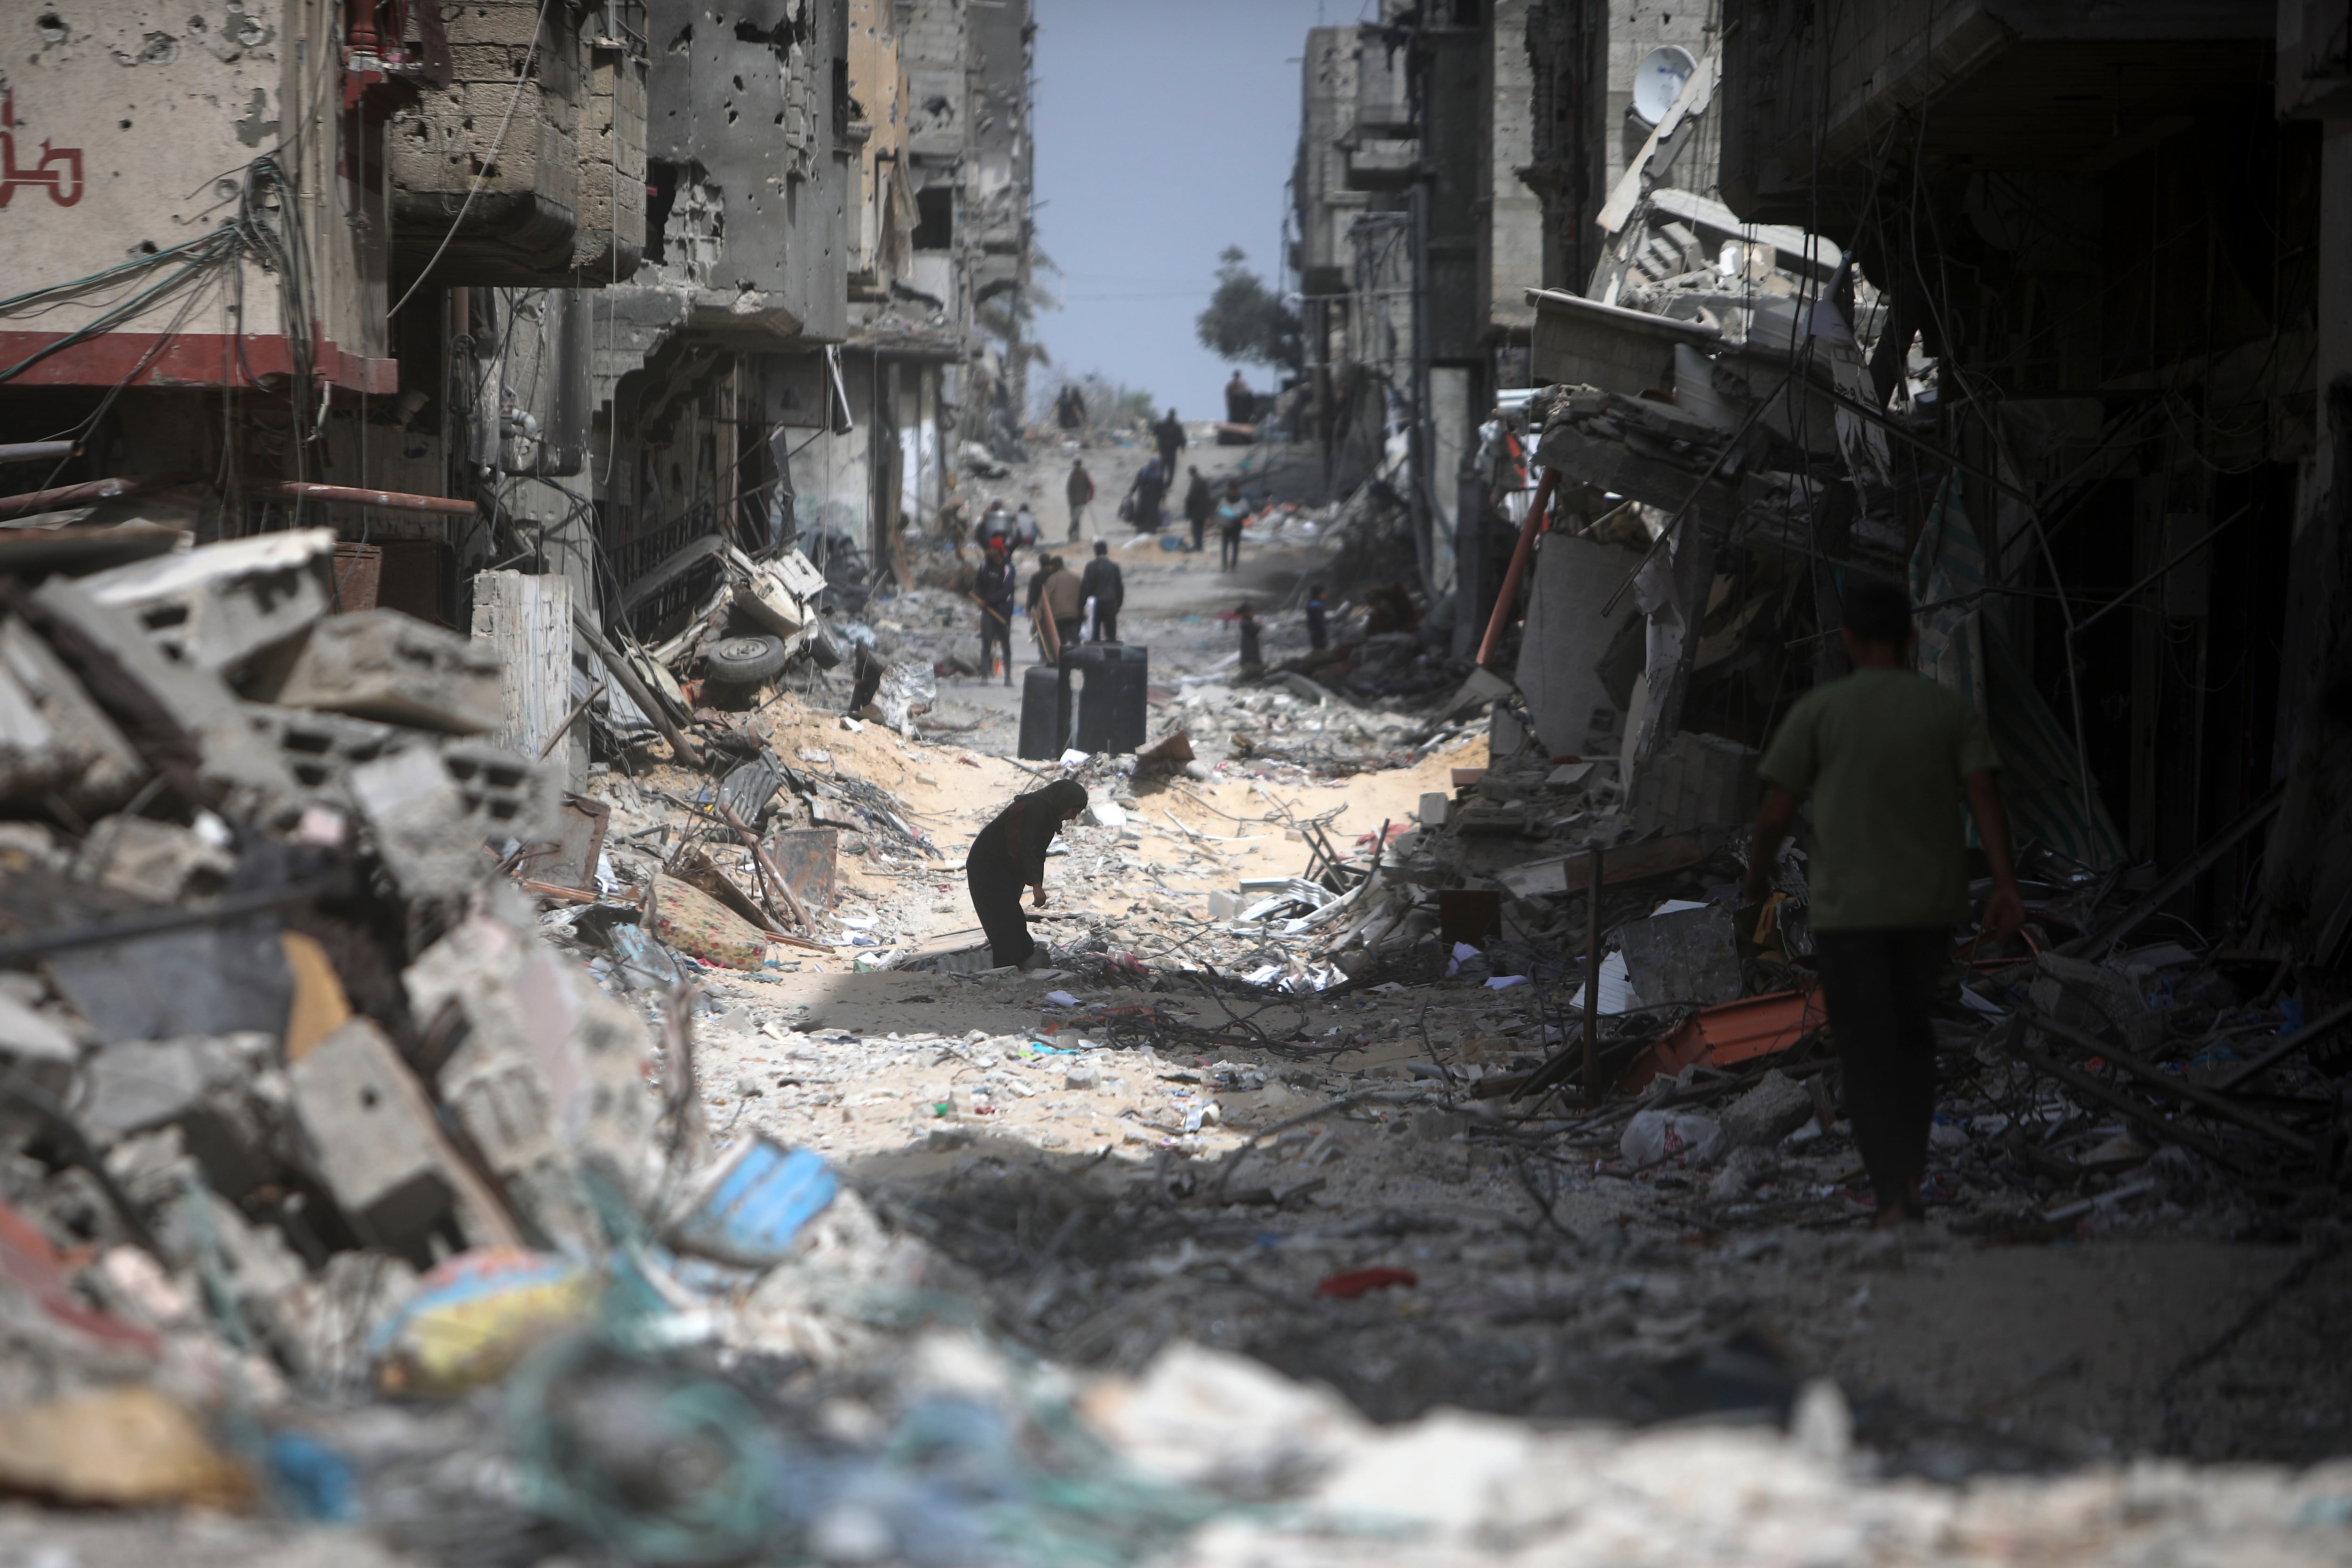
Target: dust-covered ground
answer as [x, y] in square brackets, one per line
[1120, 1153]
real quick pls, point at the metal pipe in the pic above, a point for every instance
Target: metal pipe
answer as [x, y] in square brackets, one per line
[387, 501]
[34, 451]
[83, 494]
[1518, 568]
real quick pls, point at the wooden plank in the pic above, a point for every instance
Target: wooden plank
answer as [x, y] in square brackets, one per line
[528, 621]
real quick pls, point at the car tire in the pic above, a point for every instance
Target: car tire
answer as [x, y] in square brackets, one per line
[825, 647]
[745, 660]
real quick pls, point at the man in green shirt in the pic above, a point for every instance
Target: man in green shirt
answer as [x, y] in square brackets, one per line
[1888, 756]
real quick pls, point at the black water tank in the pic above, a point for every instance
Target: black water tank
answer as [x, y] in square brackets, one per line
[1043, 700]
[1113, 708]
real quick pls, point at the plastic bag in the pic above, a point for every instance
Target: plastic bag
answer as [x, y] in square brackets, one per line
[1682, 1137]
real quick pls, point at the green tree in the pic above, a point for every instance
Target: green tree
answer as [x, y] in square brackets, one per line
[1245, 320]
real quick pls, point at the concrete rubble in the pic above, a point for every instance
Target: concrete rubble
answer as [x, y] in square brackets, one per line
[379, 1119]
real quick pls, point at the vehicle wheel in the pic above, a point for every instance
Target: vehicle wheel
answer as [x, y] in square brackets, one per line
[824, 647]
[746, 660]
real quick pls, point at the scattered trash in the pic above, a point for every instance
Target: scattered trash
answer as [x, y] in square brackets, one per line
[1358, 1282]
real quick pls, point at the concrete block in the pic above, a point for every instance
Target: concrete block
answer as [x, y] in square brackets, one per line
[211, 1088]
[417, 820]
[431, 809]
[382, 664]
[507, 796]
[1223, 905]
[244, 780]
[550, 1073]
[218, 606]
[373, 1137]
[1434, 806]
[1775, 1108]
[320, 749]
[158, 862]
[53, 738]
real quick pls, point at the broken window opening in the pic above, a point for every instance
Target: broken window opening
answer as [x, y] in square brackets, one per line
[661, 194]
[935, 218]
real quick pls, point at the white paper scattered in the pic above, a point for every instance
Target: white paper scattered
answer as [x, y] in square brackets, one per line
[1616, 989]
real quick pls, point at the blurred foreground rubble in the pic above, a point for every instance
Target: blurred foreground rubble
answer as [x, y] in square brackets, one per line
[404, 1160]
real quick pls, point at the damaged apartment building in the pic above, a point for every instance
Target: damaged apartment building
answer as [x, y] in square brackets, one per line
[2033, 308]
[628, 295]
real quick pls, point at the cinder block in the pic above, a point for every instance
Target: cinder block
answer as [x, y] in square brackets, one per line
[320, 749]
[245, 780]
[205, 1087]
[551, 1072]
[419, 823]
[218, 606]
[382, 664]
[157, 861]
[75, 749]
[370, 1129]
[1434, 806]
[507, 796]
[432, 808]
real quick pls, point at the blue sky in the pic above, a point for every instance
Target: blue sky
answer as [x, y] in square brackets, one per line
[1165, 132]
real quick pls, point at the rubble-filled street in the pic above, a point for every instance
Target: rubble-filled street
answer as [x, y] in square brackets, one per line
[1683, 901]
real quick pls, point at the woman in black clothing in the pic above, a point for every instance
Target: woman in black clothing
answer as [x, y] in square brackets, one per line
[1010, 852]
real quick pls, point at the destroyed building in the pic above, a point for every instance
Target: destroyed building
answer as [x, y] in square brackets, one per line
[591, 290]
[421, 1144]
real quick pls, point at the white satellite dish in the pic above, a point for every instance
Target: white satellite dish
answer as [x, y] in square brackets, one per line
[1659, 79]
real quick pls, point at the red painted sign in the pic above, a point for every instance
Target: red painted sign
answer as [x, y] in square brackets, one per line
[64, 190]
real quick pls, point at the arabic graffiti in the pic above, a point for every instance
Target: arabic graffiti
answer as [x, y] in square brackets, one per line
[63, 189]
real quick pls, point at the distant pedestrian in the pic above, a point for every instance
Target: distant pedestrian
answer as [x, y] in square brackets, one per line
[994, 523]
[1026, 531]
[1062, 599]
[1241, 402]
[1150, 489]
[1169, 435]
[994, 588]
[1232, 515]
[1252, 655]
[1888, 756]
[1107, 589]
[1010, 851]
[1080, 491]
[1317, 632]
[1200, 501]
[1070, 410]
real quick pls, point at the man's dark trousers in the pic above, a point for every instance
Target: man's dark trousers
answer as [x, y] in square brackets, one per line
[1106, 625]
[1880, 984]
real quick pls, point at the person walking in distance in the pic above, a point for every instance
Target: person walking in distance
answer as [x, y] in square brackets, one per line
[1232, 513]
[1200, 502]
[1070, 411]
[1240, 401]
[1102, 584]
[1318, 631]
[1150, 489]
[1252, 655]
[1011, 852]
[1080, 490]
[1169, 436]
[994, 588]
[1888, 757]
[1061, 600]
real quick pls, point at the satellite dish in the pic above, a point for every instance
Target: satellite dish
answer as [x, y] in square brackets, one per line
[1659, 79]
